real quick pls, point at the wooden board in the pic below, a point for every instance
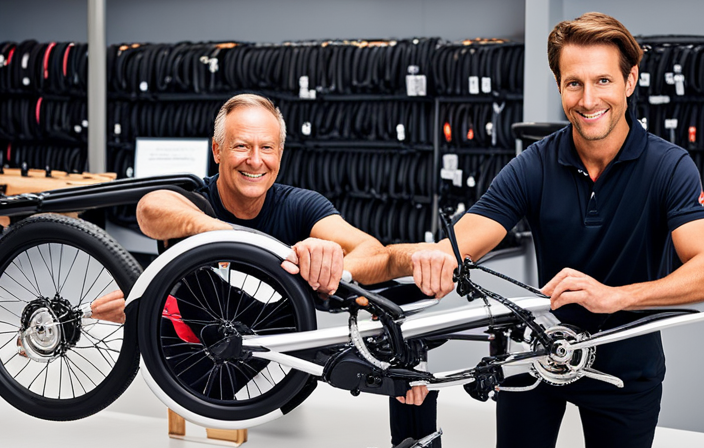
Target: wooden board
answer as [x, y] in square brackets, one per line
[12, 182]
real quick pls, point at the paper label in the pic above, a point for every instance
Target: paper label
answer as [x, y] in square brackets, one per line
[450, 161]
[669, 78]
[679, 84]
[486, 84]
[644, 79]
[474, 85]
[306, 128]
[411, 85]
[658, 99]
[400, 132]
[421, 85]
[671, 123]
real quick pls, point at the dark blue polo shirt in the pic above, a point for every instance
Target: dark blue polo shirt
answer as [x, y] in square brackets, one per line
[288, 213]
[615, 229]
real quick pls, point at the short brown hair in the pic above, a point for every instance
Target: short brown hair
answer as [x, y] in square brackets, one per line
[246, 100]
[593, 28]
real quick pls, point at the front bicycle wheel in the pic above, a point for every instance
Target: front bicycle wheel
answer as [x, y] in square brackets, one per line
[194, 316]
[54, 363]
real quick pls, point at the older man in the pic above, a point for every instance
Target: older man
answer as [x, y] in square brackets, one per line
[248, 144]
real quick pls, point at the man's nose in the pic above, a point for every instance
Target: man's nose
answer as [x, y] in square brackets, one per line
[589, 97]
[255, 157]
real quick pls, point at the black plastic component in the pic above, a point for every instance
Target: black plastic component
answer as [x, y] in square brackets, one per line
[487, 378]
[346, 370]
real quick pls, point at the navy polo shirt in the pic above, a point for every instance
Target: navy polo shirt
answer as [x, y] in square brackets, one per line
[288, 214]
[615, 229]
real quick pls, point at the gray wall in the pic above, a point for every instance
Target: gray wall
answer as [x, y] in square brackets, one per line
[264, 20]
[278, 20]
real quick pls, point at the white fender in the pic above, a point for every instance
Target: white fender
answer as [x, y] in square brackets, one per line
[217, 236]
[199, 419]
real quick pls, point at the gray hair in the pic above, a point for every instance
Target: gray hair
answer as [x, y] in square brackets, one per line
[246, 100]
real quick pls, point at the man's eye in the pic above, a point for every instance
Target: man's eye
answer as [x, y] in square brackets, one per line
[604, 81]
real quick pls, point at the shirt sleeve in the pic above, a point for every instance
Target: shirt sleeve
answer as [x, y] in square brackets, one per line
[684, 195]
[312, 207]
[508, 197]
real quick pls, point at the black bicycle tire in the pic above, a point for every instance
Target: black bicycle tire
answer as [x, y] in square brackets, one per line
[152, 304]
[50, 228]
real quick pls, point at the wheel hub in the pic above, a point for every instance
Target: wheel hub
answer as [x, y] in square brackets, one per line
[563, 365]
[48, 328]
[223, 342]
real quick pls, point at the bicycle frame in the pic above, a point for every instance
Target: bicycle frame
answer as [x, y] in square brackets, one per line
[290, 349]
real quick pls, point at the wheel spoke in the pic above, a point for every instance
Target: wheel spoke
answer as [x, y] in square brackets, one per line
[20, 268]
[61, 288]
[49, 270]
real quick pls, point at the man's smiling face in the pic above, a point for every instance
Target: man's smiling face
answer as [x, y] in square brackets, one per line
[250, 156]
[594, 93]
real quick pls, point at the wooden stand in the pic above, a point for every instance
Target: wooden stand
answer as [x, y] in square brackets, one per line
[12, 182]
[226, 437]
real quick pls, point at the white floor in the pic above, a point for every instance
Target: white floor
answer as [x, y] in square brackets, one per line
[329, 418]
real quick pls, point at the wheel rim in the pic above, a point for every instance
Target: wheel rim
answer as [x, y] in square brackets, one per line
[204, 319]
[46, 346]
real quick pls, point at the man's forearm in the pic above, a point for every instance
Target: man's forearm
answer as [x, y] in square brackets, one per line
[399, 258]
[164, 215]
[684, 285]
[368, 263]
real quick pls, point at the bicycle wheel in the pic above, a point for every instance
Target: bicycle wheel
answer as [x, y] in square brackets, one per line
[54, 364]
[191, 322]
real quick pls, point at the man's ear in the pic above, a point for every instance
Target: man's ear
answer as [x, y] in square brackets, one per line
[216, 152]
[631, 81]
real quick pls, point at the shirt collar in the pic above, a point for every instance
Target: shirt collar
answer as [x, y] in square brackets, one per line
[632, 148]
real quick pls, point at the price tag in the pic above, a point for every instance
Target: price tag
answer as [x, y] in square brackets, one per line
[658, 99]
[644, 79]
[486, 84]
[400, 132]
[411, 85]
[421, 85]
[474, 85]
[679, 84]
[669, 78]
[671, 123]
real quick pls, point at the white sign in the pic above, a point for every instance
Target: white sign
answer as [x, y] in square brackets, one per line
[158, 156]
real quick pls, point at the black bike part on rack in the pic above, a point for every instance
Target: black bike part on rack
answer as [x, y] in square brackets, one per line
[45, 259]
[198, 280]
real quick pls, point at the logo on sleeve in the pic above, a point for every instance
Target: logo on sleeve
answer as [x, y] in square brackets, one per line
[701, 198]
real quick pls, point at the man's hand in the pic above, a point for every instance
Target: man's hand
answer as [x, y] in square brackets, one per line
[432, 272]
[571, 286]
[110, 307]
[415, 395]
[319, 262]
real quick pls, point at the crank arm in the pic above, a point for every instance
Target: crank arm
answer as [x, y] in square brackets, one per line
[637, 329]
